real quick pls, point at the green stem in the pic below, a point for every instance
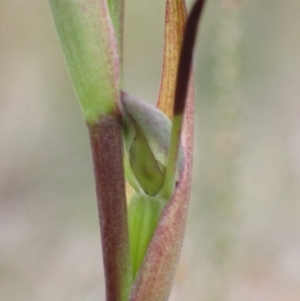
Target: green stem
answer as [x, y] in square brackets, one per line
[169, 181]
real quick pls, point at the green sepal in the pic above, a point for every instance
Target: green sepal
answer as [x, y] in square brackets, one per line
[143, 215]
[144, 165]
[146, 132]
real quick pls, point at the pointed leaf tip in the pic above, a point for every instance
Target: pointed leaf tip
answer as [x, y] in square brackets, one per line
[186, 56]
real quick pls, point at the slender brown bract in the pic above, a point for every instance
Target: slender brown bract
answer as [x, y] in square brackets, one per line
[186, 56]
[174, 29]
[157, 271]
[106, 144]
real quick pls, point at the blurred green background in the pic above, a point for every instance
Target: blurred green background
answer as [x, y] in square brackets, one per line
[243, 234]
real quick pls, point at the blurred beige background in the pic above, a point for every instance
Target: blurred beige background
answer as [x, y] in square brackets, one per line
[243, 234]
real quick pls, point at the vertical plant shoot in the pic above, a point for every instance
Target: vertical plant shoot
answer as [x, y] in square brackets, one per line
[148, 148]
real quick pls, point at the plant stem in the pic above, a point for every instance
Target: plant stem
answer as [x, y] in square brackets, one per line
[106, 144]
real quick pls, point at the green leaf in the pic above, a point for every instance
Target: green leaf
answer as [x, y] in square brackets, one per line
[116, 8]
[90, 49]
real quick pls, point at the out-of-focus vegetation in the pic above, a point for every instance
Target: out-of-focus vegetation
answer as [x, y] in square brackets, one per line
[243, 234]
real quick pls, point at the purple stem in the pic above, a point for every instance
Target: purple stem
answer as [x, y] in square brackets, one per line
[106, 144]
